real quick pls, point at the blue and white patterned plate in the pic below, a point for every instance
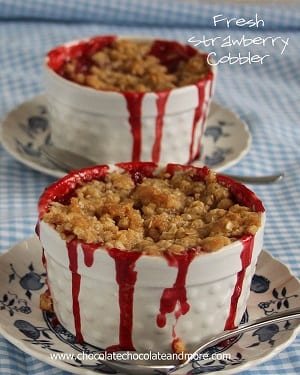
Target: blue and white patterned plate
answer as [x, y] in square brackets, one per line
[27, 127]
[22, 280]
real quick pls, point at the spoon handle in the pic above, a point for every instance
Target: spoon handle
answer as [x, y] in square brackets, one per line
[66, 161]
[255, 324]
[258, 179]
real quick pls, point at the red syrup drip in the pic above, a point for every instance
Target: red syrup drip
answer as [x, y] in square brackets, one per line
[246, 256]
[134, 106]
[38, 229]
[76, 279]
[198, 153]
[88, 253]
[197, 115]
[44, 260]
[161, 101]
[55, 322]
[126, 278]
[176, 295]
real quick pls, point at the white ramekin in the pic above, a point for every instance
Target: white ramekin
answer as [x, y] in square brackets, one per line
[217, 284]
[98, 124]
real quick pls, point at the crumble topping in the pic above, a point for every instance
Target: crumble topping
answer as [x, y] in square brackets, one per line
[46, 302]
[162, 213]
[127, 65]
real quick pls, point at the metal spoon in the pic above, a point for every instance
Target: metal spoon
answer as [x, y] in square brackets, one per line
[131, 367]
[67, 161]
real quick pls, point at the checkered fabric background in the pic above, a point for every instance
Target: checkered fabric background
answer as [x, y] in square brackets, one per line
[266, 96]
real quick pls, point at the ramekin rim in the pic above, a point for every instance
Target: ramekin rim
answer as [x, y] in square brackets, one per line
[54, 75]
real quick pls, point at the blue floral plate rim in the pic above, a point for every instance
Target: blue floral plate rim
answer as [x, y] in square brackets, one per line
[27, 127]
[22, 280]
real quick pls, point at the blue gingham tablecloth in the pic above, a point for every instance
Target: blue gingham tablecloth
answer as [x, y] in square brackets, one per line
[265, 95]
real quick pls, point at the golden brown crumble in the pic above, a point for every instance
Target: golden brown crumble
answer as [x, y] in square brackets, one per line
[127, 66]
[178, 347]
[46, 302]
[163, 213]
